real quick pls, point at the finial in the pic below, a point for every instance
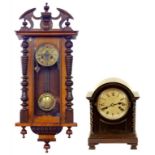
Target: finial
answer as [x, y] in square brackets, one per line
[24, 23]
[46, 146]
[67, 23]
[46, 7]
[69, 132]
[23, 132]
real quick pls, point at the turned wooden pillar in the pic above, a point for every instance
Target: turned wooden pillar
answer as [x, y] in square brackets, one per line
[69, 82]
[24, 83]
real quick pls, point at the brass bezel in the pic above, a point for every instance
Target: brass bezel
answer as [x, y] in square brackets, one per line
[41, 49]
[46, 95]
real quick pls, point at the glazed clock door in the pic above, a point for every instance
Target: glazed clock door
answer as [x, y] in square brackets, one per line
[46, 61]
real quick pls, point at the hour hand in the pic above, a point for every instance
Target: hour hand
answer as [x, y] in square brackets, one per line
[117, 103]
[104, 108]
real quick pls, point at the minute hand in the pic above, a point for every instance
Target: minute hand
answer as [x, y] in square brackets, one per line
[116, 103]
[111, 105]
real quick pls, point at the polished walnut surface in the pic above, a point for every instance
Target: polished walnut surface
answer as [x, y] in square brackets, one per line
[39, 79]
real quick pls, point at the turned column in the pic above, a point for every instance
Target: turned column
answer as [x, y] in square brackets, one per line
[69, 83]
[24, 83]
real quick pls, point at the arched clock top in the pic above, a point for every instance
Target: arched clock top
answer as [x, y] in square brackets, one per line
[112, 83]
[46, 19]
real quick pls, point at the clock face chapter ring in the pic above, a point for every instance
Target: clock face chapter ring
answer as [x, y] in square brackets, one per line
[47, 55]
[46, 102]
[113, 104]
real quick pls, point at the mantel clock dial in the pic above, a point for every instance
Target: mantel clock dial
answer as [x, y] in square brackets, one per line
[113, 103]
[47, 75]
[47, 55]
[112, 113]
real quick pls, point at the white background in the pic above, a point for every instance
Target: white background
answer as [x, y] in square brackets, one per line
[116, 39]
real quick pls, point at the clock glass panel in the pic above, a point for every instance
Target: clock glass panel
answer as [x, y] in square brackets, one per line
[112, 103]
[47, 55]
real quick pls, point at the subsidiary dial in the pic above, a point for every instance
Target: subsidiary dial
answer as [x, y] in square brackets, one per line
[47, 55]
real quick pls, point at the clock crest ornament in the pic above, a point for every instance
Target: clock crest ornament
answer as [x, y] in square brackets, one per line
[112, 114]
[46, 74]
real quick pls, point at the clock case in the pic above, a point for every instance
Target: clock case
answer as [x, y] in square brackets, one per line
[46, 124]
[112, 131]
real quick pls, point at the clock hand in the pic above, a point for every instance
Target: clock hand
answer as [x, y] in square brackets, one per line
[104, 108]
[116, 103]
[111, 105]
[46, 55]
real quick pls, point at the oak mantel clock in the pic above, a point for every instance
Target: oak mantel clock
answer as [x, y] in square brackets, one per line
[47, 75]
[112, 114]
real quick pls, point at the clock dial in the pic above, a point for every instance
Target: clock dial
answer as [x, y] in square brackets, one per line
[47, 55]
[46, 102]
[112, 103]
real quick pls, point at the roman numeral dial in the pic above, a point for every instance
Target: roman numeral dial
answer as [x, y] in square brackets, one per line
[112, 103]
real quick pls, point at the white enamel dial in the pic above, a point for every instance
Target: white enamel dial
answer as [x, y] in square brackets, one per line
[113, 103]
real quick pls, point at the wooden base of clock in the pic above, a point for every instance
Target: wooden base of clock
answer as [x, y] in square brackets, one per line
[46, 132]
[130, 139]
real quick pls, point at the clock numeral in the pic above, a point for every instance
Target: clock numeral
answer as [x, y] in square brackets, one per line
[107, 112]
[113, 93]
[121, 108]
[123, 104]
[108, 95]
[121, 99]
[101, 104]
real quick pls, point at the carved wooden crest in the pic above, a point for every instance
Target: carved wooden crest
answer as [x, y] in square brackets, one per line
[46, 19]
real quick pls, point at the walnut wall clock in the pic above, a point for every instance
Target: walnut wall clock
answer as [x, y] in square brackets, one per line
[112, 114]
[47, 75]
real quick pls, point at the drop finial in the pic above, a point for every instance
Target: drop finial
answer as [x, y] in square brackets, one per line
[46, 7]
